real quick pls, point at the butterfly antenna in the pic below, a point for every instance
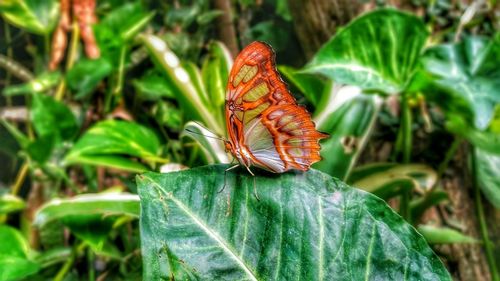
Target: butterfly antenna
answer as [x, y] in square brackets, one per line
[197, 133]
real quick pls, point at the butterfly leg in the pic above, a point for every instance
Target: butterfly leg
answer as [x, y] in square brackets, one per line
[225, 176]
[255, 190]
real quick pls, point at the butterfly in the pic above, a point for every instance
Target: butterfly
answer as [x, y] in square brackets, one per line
[265, 125]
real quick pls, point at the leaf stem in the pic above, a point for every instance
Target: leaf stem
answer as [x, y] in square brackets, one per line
[450, 153]
[482, 221]
[405, 146]
[21, 176]
[69, 262]
[75, 35]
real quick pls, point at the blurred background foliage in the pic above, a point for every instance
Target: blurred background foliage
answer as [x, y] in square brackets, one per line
[94, 92]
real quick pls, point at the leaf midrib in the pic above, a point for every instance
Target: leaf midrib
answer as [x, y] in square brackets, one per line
[214, 235]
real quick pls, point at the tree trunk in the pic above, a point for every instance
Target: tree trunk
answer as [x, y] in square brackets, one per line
[316, 21]
[225, 26]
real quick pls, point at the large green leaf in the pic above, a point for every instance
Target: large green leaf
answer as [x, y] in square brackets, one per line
[302, 226]
[464, 78]
[113, 138]
[33, 15]
[377, 51]
[14, 251]
[348, 117]
[487, 173]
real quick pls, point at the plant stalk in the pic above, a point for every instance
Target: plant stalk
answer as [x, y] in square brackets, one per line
[69, 262]
[21, 176]
[75, 35]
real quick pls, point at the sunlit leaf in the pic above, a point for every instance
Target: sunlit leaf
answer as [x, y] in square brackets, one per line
[41, 83]
[377, 51]
[215, 73]
[383, 178]
[304, 226]
[91, 216]
[212, 147]
[14, 250]
[10, 203]
[108, 140]
[349, 118]
[33, 15]
[185, 89]
[127, 20]
[103, 204]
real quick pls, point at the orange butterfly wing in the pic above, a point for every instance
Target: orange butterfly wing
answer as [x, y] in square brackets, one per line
[265, 125]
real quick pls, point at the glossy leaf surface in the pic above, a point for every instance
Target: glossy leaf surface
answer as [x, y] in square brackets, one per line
[108, 140]
[305, 226]
[377, 51]
[14, 261]
[185, 89]
[464, 78]
[90, 204]
[33, 15]
[10, 203]
[212, 148]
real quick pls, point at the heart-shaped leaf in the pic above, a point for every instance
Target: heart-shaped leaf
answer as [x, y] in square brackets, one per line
[377, 51]
[107, 140]
[464, 78]
[302, 226]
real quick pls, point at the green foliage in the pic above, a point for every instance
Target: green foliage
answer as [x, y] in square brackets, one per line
[185, 81]
[40, 84]
[444, 235]
[377, 51]
[86, 74]
[190, 230]
[10, 203]
[105, 142]
[387, 87]
[52, 118]
[469, 93]
[14, 255]
[488, 169]
[33, 15]
[90, 217]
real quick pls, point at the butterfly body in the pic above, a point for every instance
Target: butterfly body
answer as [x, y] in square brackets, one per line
[265, 125]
